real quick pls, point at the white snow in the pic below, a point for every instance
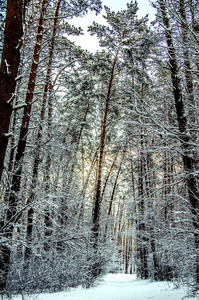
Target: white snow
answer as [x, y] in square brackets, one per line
[118, 287]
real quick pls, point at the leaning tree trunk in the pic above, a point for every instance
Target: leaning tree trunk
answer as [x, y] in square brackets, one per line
[8, 71]
[39, 139]
[98, 198]
[85, 186]
[112, 195]
[95, 267]
[187, 137]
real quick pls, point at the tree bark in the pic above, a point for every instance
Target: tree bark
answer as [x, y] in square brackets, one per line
[98, 198]
[26, 115]
[39, 138]
[142, 239]
[12, 214]
[187, 64]
[8, 71]
[95, 267]
[113, 193]
[108, 175]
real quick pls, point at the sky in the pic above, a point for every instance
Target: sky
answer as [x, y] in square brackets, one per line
[144, 6]
[91, 42]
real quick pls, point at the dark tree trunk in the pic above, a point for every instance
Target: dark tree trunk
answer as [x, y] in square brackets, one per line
[187, 64]
[142, 238]
[8, 71]
[27, 111]
[141, 226]
[12, 213]
[113, 193]
[95, 268]
[26, 116]
[108, 175]
[81, 210]
[98, 198]
[39, 138]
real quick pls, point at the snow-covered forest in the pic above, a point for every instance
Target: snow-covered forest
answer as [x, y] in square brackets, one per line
[98, 151]
[116, 287]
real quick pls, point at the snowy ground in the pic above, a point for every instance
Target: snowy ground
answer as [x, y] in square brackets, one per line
[118, 287]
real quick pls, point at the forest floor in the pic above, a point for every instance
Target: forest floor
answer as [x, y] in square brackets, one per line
[118, 287]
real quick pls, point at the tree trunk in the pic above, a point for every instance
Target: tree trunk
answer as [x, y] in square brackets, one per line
[81, 210]
[95, 268]
[26, 116]
[190, 154]
[98, 198]
[39, 139]
[112, 195]
[108, 175]
[142, 239]
[8, 71]
[187, 64]
[12, 214]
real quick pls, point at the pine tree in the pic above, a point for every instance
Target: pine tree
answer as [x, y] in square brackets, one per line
[9, 68]
[190, 155]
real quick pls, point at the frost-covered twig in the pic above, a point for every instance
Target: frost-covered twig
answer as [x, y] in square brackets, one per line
[11, 99]
[19, 106]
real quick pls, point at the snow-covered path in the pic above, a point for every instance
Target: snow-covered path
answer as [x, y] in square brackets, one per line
[118, 287]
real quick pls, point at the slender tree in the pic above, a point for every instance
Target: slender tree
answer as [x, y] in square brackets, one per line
[39, 135]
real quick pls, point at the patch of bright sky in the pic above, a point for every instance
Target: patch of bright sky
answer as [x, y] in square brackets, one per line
[89, 42]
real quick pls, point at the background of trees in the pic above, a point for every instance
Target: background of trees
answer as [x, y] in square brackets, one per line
[100, 149]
